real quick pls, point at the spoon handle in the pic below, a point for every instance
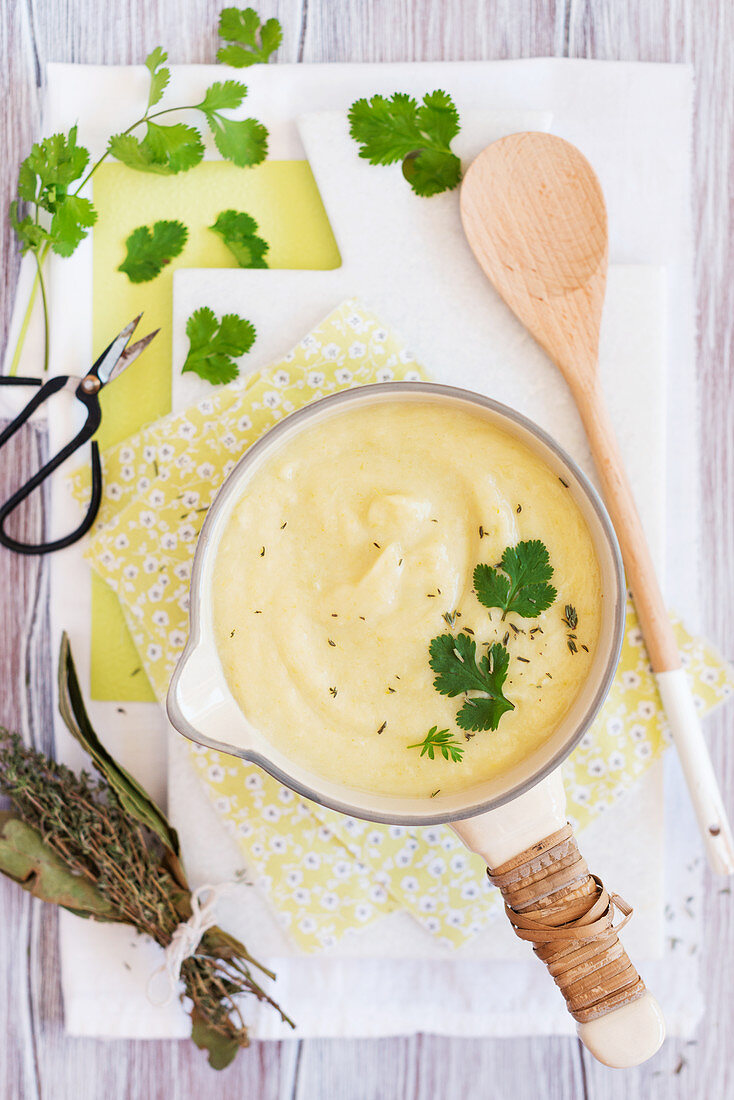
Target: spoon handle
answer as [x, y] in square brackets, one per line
[658, 632]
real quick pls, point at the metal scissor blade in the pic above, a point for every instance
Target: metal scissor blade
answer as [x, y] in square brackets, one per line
[107, 361]
[130, 354]
[117, 356]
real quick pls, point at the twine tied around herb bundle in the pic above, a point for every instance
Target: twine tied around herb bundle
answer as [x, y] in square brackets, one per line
[186, 938]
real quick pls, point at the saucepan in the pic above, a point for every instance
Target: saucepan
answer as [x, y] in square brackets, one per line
[516, 822]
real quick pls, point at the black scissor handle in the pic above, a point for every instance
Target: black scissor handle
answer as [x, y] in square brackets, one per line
[48, 389]
[91, 401]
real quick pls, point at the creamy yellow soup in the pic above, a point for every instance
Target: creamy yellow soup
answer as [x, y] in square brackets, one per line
[351, 549]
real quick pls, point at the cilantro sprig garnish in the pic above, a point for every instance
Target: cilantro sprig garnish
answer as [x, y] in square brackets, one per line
[47, 214]
[160, 76]
[250, 41]
[245, 141]
[398, 128]
[44, 183]
[149, 250]
[239, 233]
[443, 741]
[454, 660]
[164, 151]
[169, 149]
[50, 213]
[519, 583]
[214, 345]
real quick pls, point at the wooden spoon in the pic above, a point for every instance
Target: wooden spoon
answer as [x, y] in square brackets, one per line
[534, 216]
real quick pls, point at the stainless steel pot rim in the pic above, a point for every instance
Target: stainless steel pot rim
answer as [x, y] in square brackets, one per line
[229, 487]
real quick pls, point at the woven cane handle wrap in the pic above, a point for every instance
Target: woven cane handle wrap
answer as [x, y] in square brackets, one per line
[568, 916]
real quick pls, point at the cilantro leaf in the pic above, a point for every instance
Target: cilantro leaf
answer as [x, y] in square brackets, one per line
[398, 128]
[438, 115]
[159, 76]
[213, 345]
[243, 141]
[491, 586]
[443, 741]
[149, 252]
[453, 659]
[164, 150]
[27, 181]
[241, 26]
[44, 179]
[523, 588]
[30, 235]
[178, 147]
[50, 168]
[239, 233]
[385, 128]
[72, 217]
[222, 95]
[430, 172]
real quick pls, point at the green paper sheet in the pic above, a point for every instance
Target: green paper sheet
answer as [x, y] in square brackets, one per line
[283, 198]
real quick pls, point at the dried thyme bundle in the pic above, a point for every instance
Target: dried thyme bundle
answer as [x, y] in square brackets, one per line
[100, 847]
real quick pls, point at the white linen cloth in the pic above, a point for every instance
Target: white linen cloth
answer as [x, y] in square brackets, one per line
[633, 122]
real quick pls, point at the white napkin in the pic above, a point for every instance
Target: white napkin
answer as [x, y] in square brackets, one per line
[633, 121]
[400, 274]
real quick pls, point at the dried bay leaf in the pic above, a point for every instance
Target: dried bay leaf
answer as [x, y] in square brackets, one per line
[26, 859]
[133, 797]
[222, 1048]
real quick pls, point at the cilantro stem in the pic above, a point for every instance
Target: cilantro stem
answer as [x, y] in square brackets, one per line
[23, 329]
[41, 253]
[106, 153]
[514, 589]
[168, 110]
[95, 166]
[42, 285]
[146, 118]
[15, 362]
[41, 256]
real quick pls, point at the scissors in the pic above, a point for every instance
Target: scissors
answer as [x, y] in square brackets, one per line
[110, 365]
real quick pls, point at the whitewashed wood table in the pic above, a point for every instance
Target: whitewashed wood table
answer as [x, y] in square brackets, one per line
[37, 1060]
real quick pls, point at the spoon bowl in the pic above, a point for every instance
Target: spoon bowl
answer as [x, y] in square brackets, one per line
[534, 214]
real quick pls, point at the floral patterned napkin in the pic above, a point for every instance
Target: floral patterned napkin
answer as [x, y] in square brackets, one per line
[324, 873]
